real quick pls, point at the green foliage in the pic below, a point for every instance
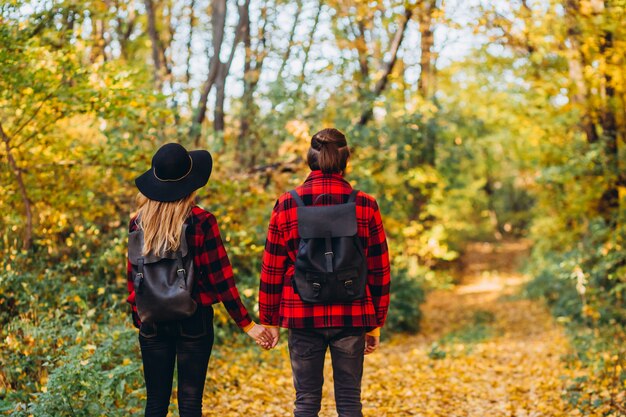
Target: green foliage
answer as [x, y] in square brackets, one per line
[601, 387]
[53, 307]
[559, 291]
[406, 296]
[477, 330]
[585, 282]
[89, 380]
[436, 352]
[100, 383]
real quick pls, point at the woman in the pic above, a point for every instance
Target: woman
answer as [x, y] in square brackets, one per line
[349, 328]
[166, 203]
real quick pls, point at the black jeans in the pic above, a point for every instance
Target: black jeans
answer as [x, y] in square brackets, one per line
[307, 349]
[187, 342]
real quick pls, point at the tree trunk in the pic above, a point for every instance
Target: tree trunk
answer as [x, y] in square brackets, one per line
[224, 68]
[220, 97]
[247, 99]
[610, 198]
[576, 62]
[218, 22]
[424, 83]
[155, 42]
[426, 80]
[247, 146]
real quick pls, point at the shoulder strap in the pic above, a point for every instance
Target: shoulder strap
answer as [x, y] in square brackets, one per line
[296, 197]
[300, 203]
[352, 197]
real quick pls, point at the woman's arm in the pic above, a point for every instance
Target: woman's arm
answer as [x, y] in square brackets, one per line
[131, 295]
[220, 274]
[273, 271]
[130, 284]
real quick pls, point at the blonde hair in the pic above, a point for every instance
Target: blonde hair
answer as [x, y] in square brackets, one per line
[162, 222]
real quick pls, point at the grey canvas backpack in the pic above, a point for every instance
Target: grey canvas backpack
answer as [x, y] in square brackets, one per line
[163, 283]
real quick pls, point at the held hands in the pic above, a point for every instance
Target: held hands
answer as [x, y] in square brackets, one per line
[267, 338]
[371, 343]
[262, 336]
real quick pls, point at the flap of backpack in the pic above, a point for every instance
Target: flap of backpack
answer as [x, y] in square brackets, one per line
[135, 246]
[318, 221]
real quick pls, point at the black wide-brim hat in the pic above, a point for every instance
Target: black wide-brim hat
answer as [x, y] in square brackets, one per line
[175, 173]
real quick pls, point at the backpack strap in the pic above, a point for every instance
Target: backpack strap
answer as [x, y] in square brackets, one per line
[329, 255]
[139, 275]
[296, 197]
[180, 269]
[300, 203]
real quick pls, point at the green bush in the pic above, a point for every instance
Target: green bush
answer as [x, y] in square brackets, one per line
[558, 290]
[407, 294]
[587, 282]
[89, 380]
[584, 284]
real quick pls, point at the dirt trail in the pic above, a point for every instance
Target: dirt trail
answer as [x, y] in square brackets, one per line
[482, 352]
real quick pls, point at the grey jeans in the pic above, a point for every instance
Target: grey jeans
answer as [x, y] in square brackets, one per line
[307, 349]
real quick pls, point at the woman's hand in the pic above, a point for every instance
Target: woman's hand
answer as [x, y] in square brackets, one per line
[261, 335]
[371, 343]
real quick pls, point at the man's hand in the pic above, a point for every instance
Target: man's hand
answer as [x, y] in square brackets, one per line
[275, 335]
[371, 343]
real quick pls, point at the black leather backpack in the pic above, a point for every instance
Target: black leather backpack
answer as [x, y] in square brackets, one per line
[163, 283]
[330, 265]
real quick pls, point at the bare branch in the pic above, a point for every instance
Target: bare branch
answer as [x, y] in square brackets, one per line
[292, 33]
[192, 23]
[388, 67]
[307, 48]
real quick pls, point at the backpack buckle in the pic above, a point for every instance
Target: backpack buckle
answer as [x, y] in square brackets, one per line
[139, 287]
[316, 289]
[347, 284]
[182, 275]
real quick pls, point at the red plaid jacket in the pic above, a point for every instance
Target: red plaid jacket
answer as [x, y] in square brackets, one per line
[278, 303]
[215, 281]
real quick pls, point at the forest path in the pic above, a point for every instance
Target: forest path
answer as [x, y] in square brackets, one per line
[481, 352]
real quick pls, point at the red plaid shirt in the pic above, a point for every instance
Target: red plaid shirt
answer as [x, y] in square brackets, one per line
[280, 305]
[215, 281]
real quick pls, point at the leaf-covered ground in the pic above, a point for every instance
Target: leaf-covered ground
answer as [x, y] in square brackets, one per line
[482, 351]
